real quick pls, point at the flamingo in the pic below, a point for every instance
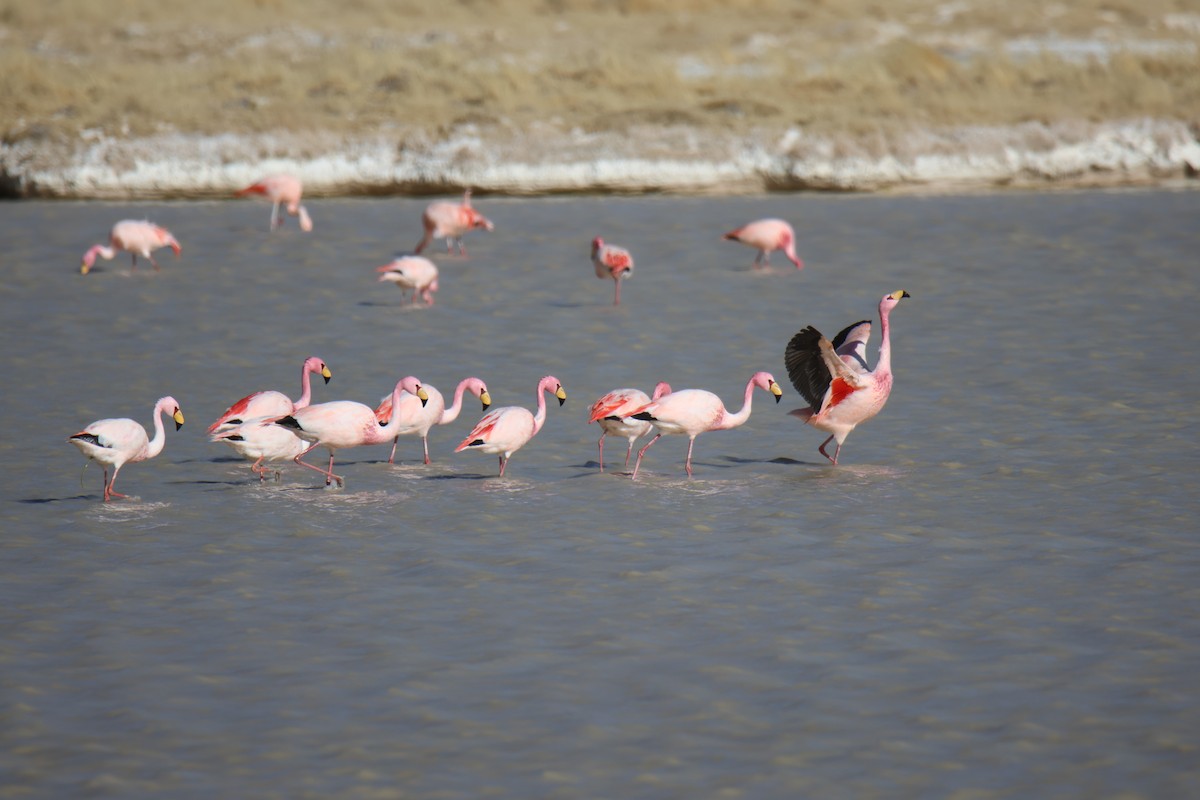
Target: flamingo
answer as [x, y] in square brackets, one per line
[767, 235]
[611, 410]
[613, 262]
[691, 412]
[260, 440]
[138, 237]
[285, 190]
[443, 219]
[418, 418]
[506, 430]
[117, 442]
[840, 390]
[344, 423]
[412, 272]
[270, 403]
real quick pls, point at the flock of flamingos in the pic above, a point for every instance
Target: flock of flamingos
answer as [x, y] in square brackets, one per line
[833, 377]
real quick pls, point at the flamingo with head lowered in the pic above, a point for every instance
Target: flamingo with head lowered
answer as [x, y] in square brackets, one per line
[285, 190]
[444, 219]
[506, 430]
[416, 418]
[412, 272]
[767, 236]
[117, 442]
[691, 412]
[137, 237]
[832, 376]
[613, 262]
[612, 411]
[270, 403]
[259, 440]
[341, 424]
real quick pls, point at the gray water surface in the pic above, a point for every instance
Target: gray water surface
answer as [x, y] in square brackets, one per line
[994, 595]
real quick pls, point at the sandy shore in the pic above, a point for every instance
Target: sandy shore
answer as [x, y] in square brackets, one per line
[139, 99]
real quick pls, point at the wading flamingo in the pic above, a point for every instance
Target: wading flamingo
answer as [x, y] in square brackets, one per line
[138, 237]
[506, 430]
[840, 390]
[416, 418]
[344, 423]
[270, 403]
[412, 272]
[767, 235]
[260, 440]
[117, 442]
[691, 412]
[444, 219]
[612, 411]
[282, 190]
[613, 262]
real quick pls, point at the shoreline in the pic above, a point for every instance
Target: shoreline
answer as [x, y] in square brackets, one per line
[640, 160]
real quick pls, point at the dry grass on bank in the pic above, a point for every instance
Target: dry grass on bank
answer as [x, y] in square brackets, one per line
[134, 67]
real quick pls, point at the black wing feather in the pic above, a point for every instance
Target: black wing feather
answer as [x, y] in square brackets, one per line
[805, 369]
[844, 333]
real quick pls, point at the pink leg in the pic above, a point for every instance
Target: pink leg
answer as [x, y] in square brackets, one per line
[628, 450]
[833, 457]
[503, 462]
[275, 215]
[425, 240]
[258, 469]
[133, 256]
[154, 263]
[329, 476]
[602, 453]
[687, 464]
[109, 491]
[617, 295]
[641, 453]
[425, 442]
[392, 457]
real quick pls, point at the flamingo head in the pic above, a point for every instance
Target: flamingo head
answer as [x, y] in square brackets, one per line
[89, 258]
[171, 406]
[597, 243]
[477, 220]
[413, 386]
[317, 366]
[889, 301]
[549, 383]
[765, 380]
[485, 397]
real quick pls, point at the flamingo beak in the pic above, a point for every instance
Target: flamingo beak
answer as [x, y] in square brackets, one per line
[896, 295]
[326, 374]
[84, 267]
[561, 395]
[485, 398]
[424, 395]
[775, 390]
[178, 417]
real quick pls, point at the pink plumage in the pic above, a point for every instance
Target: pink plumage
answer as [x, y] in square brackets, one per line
[415, 418]
[506, 430]
[137, 237]
[416, 273]
[767, 236]
[285, 190]
[270, 403]
[691, 412]
[613, 262]
[612, 411]
[451, 221]
[117, 442]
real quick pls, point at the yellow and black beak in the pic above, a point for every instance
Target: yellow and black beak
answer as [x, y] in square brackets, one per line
[485, 398]
[178, 417]
[424, 395]
[561, 395]
[775, 390]
[325, 373]
[896, 295]
[83, 268]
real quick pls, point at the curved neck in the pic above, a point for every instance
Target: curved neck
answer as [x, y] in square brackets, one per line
[733, 420]
[884, 365]
[102, 250]
[305, 388]
[160, 437]
[451, 413]
[540, 417]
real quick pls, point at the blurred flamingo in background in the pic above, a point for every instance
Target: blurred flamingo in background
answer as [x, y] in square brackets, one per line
[613, 262]
[612, 411]
[340, 424]
[270, 403]
[691, 412]
[767, 235]
[259, 440]
[138, 237]
[444, 219]
[412, 272]
[416, 418]
[285, 190]
[506, 430]
[117, 442]
[841, 392]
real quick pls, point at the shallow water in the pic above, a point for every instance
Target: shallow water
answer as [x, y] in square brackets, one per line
[993, 596]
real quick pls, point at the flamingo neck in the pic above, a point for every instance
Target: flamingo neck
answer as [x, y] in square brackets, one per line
[540, 417]
[305, 389]
[450, 414]
[160, 436]
[884, 365]
[734, 420]
[102, 250]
